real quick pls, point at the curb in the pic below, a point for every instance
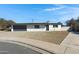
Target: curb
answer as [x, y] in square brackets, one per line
[40, 50]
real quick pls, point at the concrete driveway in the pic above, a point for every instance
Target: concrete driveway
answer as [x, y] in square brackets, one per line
[72, 40]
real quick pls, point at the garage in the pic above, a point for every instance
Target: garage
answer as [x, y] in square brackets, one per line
[19, 27]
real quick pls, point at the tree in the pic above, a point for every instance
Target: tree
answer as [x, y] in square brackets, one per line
[10, 22]
[77, 24]
[4, 24]
[59, 23]
[70, 22]
[74, 24]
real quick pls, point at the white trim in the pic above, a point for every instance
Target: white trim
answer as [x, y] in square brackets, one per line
[11, 28]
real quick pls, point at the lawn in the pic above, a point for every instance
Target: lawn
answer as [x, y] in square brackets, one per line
[53, 37]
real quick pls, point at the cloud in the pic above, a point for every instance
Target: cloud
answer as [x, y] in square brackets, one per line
[53, 9]
[68, 13]
[62, 12]
[60, 5]
[57, 7]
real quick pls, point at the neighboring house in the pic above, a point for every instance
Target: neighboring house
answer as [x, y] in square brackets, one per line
[36, 27]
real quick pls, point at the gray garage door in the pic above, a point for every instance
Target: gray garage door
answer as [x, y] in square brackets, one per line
[19, 27]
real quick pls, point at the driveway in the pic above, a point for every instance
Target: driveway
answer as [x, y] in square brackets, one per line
[72, 40]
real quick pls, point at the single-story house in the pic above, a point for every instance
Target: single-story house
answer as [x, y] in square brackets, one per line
[36, 26]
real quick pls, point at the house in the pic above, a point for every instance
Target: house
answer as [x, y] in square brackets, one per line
[36, 27]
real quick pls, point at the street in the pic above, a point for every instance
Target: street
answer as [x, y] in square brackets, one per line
[10, 48]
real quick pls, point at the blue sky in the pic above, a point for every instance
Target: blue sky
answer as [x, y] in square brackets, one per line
[39, 12]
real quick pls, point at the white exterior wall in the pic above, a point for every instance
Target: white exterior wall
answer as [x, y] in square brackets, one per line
[43, 28]
[59, 28]
[64, 28]
[31, 28]
[51, 28]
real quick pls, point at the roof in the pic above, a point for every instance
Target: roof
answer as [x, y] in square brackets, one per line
[38, 23]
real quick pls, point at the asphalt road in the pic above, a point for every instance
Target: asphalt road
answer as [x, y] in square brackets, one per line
[10, 48]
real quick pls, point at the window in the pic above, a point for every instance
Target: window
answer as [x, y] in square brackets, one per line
[55, 25]
[36, 26]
